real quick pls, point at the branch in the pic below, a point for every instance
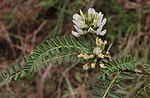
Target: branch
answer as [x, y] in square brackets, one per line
[110, 85]
[143, 73]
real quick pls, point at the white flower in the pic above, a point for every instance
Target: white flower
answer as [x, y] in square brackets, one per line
[77, 17]
[93, 23]
[86, 66]
[100, 16]
[100, 47]
[82, 15]
[102, 65]
[101, 55]
[99, 42]
[102, 33]
[78, 23]
[78, 29]
[90, 30]
[93, 65]
[76, 34]
[97, 50]
[101, 22]
[91, 13]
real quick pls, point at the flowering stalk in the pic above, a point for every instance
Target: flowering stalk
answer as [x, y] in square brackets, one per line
[92, 23]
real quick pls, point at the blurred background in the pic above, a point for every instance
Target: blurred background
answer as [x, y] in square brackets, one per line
[24, 24]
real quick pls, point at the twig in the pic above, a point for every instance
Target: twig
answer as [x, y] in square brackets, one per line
[136, 87]
[40, 83]
[70, 87]
[61, 79]
[36, 32]
[141, 90]
[143, 73]
[110, 85]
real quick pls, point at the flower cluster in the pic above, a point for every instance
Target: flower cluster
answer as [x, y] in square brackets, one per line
[99, 49]
[98, 53]
[93, 23]
[85, 56]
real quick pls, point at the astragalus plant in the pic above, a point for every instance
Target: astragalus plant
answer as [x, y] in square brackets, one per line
[87, 45]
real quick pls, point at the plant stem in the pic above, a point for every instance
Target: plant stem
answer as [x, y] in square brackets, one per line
[141, 90]
[110, 85]
[143, 73]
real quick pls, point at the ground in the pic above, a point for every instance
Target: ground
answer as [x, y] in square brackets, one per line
[25, 24]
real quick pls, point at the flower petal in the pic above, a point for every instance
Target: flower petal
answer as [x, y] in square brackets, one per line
[85, 67]
[103, 21]
[78, 29]
[100, 28]
[99, 14]
[78, 23]
[91, 11]
[77, 17]
[103, 33]
[76, 34]
[98, 31]
[91, 14]
[100, 20]
[82, 15]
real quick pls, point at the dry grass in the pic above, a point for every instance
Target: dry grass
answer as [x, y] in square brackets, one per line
[25, 24]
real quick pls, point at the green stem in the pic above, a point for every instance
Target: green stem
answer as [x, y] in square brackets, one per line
[142, 73]
[110, 85]
[141, 90]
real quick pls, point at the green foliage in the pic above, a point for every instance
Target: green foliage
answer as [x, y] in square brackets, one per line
[141, 90]
[65, 49]
[117, 68]
[148, 68]
[106, 89]
[59, 49]
[122, 64]
[122, 69]
[13, 72]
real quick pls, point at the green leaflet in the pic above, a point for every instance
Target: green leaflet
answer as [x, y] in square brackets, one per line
[105, 90]
[124, 63]
[59, 49]
[11, 73]
[56, 50]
